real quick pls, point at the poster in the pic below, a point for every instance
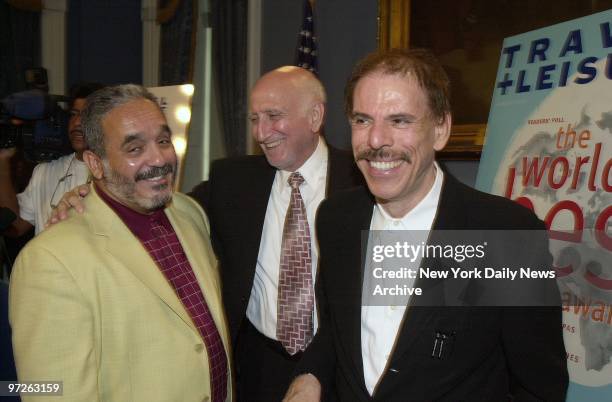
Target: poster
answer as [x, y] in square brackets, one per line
[549, 147]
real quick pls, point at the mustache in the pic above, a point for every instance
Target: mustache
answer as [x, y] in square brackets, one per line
[381, 155]
[155, 172]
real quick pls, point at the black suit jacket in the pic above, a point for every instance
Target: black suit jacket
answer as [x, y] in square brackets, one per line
[496, 354]
[235, 199]
[7, 363]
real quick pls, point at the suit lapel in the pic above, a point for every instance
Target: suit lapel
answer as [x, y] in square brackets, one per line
[200, 257]
[449, 215]
[342, 172]
[259, 187]
[451, 208]
[124, 247]
[349, 318]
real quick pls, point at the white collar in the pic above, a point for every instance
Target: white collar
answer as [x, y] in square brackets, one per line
[311, 169]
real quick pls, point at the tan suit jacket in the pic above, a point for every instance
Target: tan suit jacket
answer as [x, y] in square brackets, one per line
[91, 308]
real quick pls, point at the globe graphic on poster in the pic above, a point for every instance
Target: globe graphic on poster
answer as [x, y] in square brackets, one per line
[562, 175]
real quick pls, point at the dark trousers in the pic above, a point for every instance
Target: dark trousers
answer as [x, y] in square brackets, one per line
[264, 369]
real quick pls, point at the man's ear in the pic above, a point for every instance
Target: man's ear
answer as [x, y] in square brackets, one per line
[317, 113]
[442, 132]
[94, 163]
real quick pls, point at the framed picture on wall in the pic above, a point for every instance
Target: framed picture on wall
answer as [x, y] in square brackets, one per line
[467, 37]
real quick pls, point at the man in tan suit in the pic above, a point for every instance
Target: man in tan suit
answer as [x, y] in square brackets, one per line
[122, 303]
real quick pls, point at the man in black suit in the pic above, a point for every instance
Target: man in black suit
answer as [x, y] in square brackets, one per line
[398, 106]
[246, 199]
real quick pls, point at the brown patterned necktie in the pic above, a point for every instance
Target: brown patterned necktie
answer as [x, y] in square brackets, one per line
[294, 326]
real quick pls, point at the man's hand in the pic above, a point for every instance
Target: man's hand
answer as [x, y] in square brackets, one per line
[304, 388]
[7, 153]
[72, 199]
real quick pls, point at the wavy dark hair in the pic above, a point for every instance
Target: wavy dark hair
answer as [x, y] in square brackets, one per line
[418, 63]
[102, 102]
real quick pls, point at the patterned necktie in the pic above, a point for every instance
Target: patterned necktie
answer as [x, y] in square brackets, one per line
[294, 326]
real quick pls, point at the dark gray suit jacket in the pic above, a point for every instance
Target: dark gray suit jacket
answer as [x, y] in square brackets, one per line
[496, 354]
[235, 199]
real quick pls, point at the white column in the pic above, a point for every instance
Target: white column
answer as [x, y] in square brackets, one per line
[150, 43]
[53, 43]
[253, 59]
[205, 32]
[199, 140]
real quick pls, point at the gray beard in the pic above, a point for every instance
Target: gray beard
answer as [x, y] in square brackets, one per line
[124, 189]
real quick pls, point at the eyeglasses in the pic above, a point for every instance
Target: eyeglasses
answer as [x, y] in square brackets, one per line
[60, 181]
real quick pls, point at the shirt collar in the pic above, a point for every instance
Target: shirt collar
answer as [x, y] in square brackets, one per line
[71, 162]
[138, 223]
[311, 170]
[76, 160]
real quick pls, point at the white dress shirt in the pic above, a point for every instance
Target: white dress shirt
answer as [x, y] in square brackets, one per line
[263, 303]
[380, 324]
[49, 182]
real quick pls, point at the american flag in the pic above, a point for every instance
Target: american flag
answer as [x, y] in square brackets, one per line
[306, 52]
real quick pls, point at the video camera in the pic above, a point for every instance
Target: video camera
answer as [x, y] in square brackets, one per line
[37, 121]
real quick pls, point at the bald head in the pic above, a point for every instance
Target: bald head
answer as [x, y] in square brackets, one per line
[296, 79]
[286, 109]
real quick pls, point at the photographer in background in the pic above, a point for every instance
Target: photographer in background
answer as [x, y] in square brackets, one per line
[49, 180]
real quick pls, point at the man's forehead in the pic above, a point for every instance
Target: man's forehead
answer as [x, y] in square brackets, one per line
[262, 101]
[408, 78]
[162, 129]
[79, 103]
[268, 110]
[134, 116]
[136, 108]
[389, 96]
[389, 85]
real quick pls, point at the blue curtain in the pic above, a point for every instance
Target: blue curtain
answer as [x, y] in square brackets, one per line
[178, 44]
[19, 47]
[229, 23]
